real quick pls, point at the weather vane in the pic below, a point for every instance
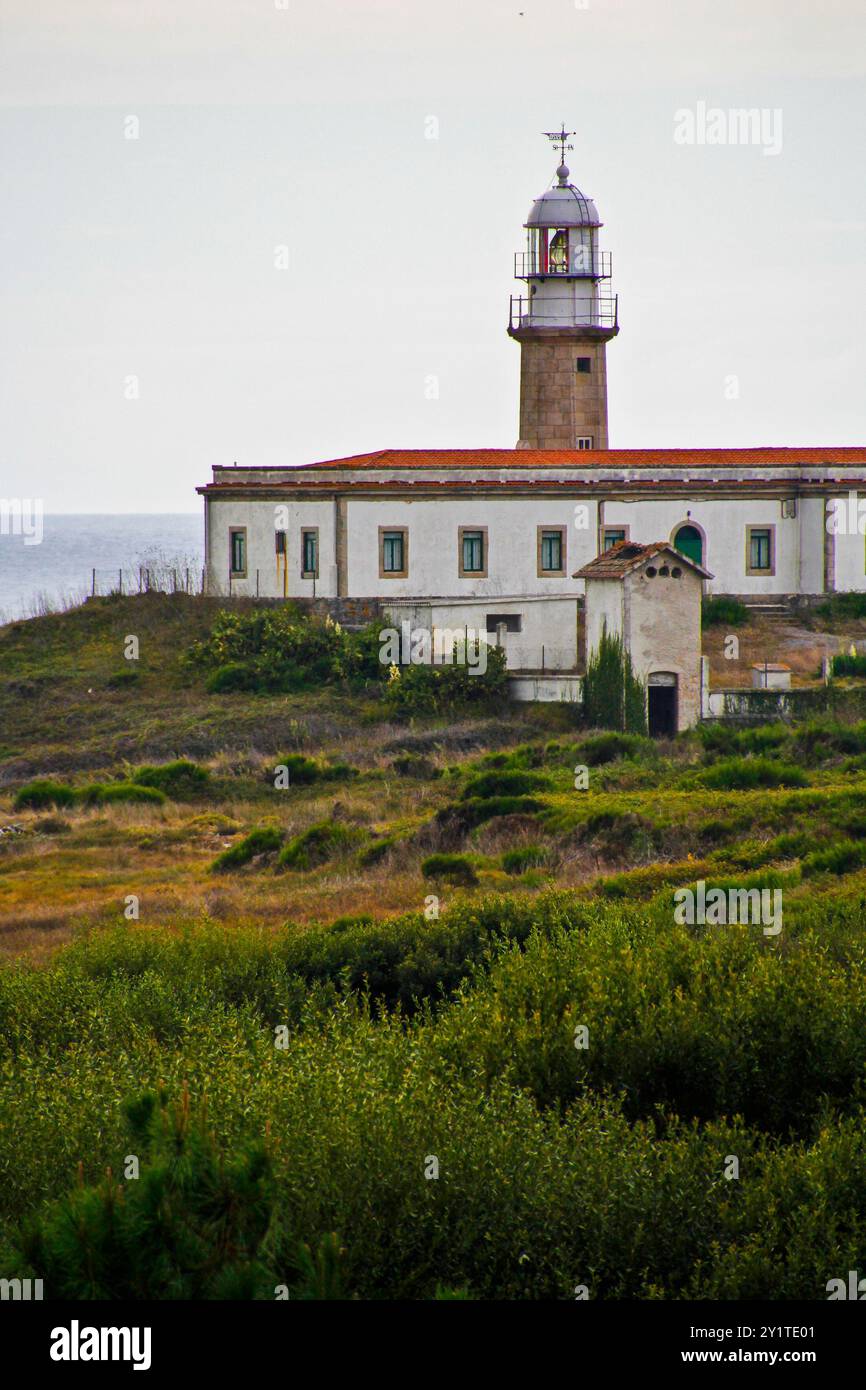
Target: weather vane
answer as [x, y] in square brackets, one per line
[560, 137]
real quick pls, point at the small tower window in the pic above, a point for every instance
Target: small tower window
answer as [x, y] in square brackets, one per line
[584, 364]
[280, 542]
[584, 441]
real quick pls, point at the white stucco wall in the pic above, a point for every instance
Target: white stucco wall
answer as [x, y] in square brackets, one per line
[850, 546]
[724, 522]
[604, 608]
[260, 520]
[433, 525]
[547, 639]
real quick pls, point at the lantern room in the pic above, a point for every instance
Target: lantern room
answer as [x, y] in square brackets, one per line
[562, 263]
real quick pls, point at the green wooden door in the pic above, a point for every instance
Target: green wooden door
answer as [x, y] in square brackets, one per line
[688, 542]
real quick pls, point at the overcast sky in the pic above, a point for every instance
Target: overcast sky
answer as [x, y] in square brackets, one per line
[151, 265]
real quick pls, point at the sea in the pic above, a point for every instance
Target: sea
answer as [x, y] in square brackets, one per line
[79, 555]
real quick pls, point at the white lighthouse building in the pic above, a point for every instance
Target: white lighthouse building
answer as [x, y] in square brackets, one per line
[494, 538]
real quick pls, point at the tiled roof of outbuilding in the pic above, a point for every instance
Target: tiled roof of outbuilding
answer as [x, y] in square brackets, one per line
[625, 556]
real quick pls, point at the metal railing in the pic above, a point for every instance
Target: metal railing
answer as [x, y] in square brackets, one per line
[526, 312]
[527, 263]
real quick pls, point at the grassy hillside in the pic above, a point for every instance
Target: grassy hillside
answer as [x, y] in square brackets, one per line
[423, 1022]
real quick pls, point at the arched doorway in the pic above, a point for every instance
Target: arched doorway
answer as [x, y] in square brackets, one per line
[662, 711]
[689, 541]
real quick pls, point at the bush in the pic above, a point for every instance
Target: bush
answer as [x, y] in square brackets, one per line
[35, 796]
[607, 748]
[847, 665]
[231, 678]
[377, 851]
[414, 765]
[461, 817]
[723, 612]
[723, 740]
[843, 606]
[822, 739]
[452, 868]
[517, 861]
[304, 771]
[842, 858]
[320, 843]
[743, 774]
[182, 780]
[613, 697]
[264, 840]
[104, 793]
[278, 649]
[490, 784]
[427, 689]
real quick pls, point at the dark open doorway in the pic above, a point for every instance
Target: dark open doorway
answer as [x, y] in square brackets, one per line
[662, 705]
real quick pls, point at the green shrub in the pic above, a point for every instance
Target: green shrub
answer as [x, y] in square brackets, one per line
[517, 861]
[505, 783]
[820, 740]
[104, 793]
[842, 858]
[35, 796]
[607, 748]
[181, 780]
[42, 793]
[743, 774]
[613, 697]
[723, 611]
[452, 868]
[377, 850]
[304, 771]
[723, 740]
[841, 606]
[279, 649]
[429, 689]
[414, 765]
[847, 665]
[461, 817]
[231, 678]
[318, 844]
[264, 840]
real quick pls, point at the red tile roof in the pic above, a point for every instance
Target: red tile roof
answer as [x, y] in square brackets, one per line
[595, 458]
[625, 556]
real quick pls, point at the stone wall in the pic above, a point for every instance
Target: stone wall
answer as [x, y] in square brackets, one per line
[557, 402]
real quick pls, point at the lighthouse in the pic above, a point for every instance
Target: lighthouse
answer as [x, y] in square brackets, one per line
[564, 318]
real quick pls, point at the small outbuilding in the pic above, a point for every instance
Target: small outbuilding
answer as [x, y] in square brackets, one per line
[771, 675]
[650, 596]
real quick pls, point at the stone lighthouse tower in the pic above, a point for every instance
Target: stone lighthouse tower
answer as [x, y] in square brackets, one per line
[564, 320]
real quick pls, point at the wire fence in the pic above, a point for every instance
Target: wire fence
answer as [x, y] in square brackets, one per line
[145, 579]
